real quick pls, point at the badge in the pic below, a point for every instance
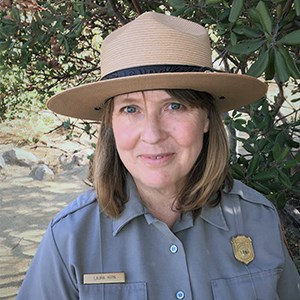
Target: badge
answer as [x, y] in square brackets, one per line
[100, 278]
[242, 248]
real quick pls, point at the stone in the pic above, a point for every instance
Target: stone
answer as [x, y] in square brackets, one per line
[42, 172]
[79, 159]
[2, 162]
[76, 160]
[20, 157]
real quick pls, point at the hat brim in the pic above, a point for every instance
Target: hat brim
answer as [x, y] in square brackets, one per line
[231, 91]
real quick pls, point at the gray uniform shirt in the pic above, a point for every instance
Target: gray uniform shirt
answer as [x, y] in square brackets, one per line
[192, 260]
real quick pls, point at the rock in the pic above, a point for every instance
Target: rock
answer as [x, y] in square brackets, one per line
[76, 160]
[20, 157]
[79, 159]
[42, 172]
[2, 162]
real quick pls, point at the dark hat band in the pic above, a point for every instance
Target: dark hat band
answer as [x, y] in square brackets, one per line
[154, 69]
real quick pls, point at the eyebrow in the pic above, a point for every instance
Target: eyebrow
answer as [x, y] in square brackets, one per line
[137, 99]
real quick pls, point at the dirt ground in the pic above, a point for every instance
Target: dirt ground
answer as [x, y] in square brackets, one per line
[27, 205]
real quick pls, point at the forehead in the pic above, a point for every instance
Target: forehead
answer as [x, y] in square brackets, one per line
[143, 95]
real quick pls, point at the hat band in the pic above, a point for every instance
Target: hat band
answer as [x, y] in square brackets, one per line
[152, 69]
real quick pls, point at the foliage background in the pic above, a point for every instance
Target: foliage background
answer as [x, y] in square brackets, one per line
[46, 46]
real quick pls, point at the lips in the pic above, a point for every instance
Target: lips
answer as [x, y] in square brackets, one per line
[160, 158]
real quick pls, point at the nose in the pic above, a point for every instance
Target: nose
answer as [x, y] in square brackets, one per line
[152, 130]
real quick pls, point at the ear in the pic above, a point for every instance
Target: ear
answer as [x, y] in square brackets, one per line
[206, 124]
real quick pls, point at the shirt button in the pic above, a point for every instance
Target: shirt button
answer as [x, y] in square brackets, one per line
[180, 295]
[173, 248]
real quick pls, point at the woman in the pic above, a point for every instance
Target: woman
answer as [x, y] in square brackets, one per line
[166, 219]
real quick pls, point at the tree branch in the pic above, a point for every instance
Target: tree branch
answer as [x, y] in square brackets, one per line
[137, 6]
[117, 13]
[280, 99]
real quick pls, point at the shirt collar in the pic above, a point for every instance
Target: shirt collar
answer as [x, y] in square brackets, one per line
[214, 216]
[134, 208]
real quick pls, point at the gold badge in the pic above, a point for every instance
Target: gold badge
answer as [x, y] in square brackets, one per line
[242, 248]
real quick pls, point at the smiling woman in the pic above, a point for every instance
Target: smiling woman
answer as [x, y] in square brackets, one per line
[164, 204]
[150, 135]
[158, 144]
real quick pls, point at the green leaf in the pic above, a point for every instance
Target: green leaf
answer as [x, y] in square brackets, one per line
[177, 4]
[79, 7]
[249, 148]
[213, 1]
[246, 31]
[270, 70]
[247, 47]
[253, 165]
[280, 138]
[4, 46]
[233, 38]
[297, 7]
[276, 152]
[292, 38]
[8, 21]
[260, 65]
[297, 157]
[15, 14]
[77, 28]
[260, 188]
[280, 199]
[264, 16]
[284, 179]
[290, 164]
[238, 171]
[281, 69]
[295, 178]
[292, 144]
[251, 33]
[267, 175]
[254, 15]
[235, 11]
[284, 153]
[262, 144]
[238, 124]
[66, 46]
[67, 124]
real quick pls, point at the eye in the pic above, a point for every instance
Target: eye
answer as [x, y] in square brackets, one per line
[129, 109]
[175, 106]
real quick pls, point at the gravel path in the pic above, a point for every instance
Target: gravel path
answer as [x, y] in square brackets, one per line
[26, 207]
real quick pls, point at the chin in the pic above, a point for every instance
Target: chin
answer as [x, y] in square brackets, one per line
[157, 182]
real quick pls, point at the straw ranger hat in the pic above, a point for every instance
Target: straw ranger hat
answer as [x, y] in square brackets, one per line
[156, 51]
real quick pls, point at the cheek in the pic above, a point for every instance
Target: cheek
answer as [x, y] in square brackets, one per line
[124, 137]
[190, 134]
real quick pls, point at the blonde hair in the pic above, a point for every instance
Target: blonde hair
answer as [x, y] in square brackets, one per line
[204, 182]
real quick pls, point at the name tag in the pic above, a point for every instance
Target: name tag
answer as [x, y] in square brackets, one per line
[99, 278]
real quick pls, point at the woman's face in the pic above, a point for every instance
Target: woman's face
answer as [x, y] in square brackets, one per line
[157, 137]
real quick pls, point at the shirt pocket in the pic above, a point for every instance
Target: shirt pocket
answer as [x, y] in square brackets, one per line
[122, 291]
[254, 286]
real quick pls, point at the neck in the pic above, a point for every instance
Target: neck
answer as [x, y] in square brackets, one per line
[160, 204]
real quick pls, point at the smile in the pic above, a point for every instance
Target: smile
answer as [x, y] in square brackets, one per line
[157, 158]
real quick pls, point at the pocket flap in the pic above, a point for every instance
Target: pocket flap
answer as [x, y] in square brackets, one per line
[259, 285]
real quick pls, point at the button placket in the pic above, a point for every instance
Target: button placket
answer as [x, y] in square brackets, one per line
[180, 286]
